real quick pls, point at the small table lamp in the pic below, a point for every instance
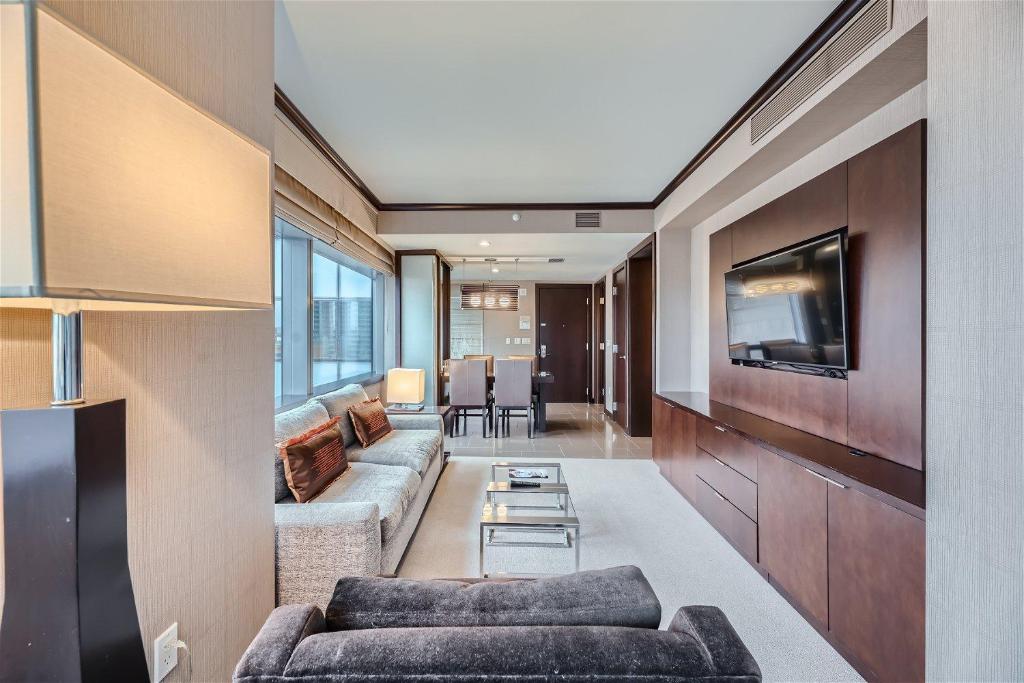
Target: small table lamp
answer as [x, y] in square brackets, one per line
[117, 194]
[406, 389]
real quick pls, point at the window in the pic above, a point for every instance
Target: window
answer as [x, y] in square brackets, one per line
[328, 312]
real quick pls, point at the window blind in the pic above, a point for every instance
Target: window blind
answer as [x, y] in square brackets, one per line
[304, 209]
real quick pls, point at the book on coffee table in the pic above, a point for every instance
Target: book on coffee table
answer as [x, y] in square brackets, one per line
[522, 473]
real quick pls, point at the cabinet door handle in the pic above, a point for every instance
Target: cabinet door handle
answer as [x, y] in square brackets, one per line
[720, 428]
[826, 479]
[721, 463]
[720, 496]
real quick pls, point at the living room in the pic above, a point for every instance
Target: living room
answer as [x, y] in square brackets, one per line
[322, 324]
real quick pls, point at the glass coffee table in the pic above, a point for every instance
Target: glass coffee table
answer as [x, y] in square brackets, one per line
[528, 517]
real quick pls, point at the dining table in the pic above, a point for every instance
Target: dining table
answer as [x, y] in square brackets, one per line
[541, 381]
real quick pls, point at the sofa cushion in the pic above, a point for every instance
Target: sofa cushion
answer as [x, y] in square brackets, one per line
[313, 460]
[369, 421]
[290, 424]
[618, 596]
[504, 653]
[412, 448]
[337, 404]
[391, 488]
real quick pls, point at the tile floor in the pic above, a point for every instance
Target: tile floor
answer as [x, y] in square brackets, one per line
[575, 430]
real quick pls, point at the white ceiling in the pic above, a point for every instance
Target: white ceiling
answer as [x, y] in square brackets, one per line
[528, 101]
[586, 256]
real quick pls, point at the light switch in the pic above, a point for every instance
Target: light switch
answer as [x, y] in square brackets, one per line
[508, 340]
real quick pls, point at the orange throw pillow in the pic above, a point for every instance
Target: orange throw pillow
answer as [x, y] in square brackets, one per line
[369, 421]
[313, 460]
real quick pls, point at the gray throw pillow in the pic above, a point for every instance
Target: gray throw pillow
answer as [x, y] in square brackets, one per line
[619, 596]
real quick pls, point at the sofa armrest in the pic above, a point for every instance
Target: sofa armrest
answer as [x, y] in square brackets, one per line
[416, 421]
[268, 654]
[721, 644]
[316, 543]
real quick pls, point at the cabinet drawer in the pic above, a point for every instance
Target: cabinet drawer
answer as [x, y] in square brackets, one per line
[729, 447]
[727, 518]
[736, 488]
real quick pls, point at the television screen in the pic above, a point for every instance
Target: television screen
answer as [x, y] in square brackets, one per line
[791, 307]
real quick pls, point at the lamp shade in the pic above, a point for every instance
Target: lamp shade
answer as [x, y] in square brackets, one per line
[406, 385]
[116, 192]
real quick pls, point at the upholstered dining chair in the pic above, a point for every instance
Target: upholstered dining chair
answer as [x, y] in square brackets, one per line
[467, 390]
[484, 357]
[534, 361]
[513, 390]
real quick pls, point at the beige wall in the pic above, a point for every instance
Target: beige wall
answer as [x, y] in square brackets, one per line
[501, 325]
[974, 396]
[199, 385]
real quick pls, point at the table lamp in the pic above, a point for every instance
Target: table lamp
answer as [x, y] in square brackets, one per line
[117, 194]
[406, 389]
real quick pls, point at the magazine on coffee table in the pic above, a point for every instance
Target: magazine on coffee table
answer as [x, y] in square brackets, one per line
[527, 473]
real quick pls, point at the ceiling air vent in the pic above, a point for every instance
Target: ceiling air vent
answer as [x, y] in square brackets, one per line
[873, 21]
[588, 219]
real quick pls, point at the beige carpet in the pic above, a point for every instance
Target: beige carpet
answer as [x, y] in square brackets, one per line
[631, 515]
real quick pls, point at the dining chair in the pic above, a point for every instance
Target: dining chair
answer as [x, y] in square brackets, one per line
[467, 390]
[484, 357]
[513, 390]
[534, 361]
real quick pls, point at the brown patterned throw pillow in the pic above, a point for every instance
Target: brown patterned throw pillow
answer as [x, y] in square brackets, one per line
[369, 421]
[313, 460]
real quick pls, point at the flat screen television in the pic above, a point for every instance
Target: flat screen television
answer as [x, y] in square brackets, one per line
[789, 308]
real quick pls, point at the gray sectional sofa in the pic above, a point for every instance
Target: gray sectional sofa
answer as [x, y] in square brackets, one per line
[590, 626]
[362, 523]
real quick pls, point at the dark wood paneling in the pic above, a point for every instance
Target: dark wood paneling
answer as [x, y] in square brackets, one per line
[886, 188]
[640, 352]
[813, 404]
[563, 319]
[720, 367]
[731, 448]
[792, 518]
[729, 521]
[898, 486]
[619, 298]
[816, 207]
[662, 438]
[736, 488]
[684, 452]
[876, 560]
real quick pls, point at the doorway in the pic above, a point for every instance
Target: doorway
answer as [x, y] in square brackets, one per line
[620, 403]
[640, 286]
[563, 333]
[597, 343]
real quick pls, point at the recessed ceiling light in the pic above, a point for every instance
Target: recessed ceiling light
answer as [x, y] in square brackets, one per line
[516, 217]
[495, 270]
[484, 243]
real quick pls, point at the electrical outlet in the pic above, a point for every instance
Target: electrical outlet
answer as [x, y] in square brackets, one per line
[165, 653]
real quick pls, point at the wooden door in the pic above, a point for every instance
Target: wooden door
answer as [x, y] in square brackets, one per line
[792, 517]
[640, 361]
[598, 345]
[563, 333]
[620, 408]
[876, 584]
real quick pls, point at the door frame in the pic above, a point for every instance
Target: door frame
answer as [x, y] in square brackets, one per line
[597, 340]
[537, 288]
[625, 348]
[633, 283]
